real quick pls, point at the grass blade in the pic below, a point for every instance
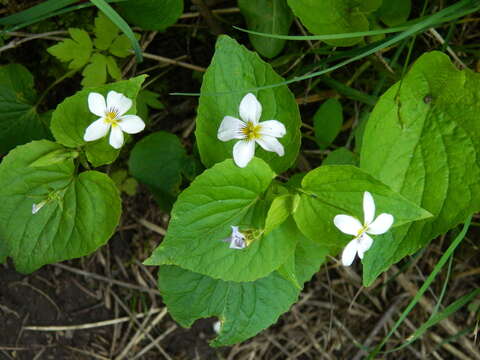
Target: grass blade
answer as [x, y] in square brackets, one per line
[35, 12]
[425, 285]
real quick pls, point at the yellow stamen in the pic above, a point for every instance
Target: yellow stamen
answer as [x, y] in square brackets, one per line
[251, 131]
[111, 118]
[362, 230]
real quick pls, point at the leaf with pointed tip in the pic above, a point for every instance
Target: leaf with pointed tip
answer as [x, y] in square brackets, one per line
[233, 71]
[338, 189]
[423, 140]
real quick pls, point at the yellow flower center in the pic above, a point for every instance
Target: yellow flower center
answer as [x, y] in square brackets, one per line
[251, 131]
[362, 230]
[111, 117]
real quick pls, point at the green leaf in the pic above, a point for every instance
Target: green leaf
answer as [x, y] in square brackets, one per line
[282, 207]
[158, 161]
[148, 99]
[19, 120]
[55, 157]
[244, 308]
[3, 251]
[268, 16]
[113, 68]
[234, 68]
[335, 17]
[95, 73]
[309, 255]
[110, 12]
[338, 189]
[152, 14]
[76, 50]
[72, 117]
[341, 156]
[422, 140]
[105, 32]
[79, 215]
[327, 122]
[221, 197]
[121, 47]
[394, 12]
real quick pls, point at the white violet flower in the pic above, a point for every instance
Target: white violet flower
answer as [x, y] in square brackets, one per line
[36, 207]
[112, 115]
[248, 130]
[237, 239]
[352, 226]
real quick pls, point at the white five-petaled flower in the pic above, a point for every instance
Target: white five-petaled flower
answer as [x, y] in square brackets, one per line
[249, 131]
[236, 240]
[352, 226]
[112, 115]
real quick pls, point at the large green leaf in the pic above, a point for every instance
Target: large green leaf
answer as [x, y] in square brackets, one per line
[422, 139]
[233, 71]
[158, 161]
[244, 308]
[221, 197]
[152, 14]
[335, 17]
[267, 16]
[338, 189]
[72, 117]
[19, 120]
[79, 215]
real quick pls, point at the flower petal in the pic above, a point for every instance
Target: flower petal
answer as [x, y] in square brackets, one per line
[36, 207]
[365, 244]
[116, 137]
[348, 254]
[96, 130]
[131, 124]
[243, 152]
[250, 109]
[269, 143]
[230, 128]
[381, 224]
[118, 103]
[368, 207]
[273, 128]
[96, 104]
[347, 224]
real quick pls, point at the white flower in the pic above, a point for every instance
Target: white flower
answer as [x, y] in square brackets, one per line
[350, 225]
[36, 207]
[237, 239]
[111, 114]
[250, 131]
